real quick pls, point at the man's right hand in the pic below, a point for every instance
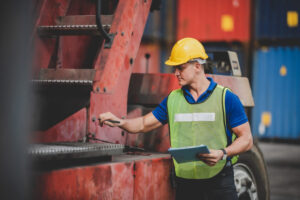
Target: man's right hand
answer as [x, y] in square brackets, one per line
[110, 119]
[135, 125]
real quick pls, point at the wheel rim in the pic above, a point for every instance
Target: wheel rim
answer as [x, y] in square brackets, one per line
[245, 182]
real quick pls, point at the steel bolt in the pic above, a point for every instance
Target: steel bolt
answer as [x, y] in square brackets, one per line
[122, 34]
[104, 89]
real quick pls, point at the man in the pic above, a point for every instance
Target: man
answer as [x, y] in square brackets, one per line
[201, 112]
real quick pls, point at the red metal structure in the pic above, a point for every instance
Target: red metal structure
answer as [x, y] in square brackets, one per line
[78, 74]
[77, 78]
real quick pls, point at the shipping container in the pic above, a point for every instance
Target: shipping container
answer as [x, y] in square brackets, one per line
[276, 91]
[277, 19]
[165, 53]
[214, 20]
[161, 24]
[147, 59]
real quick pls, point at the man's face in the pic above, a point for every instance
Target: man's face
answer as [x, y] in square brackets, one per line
[185, 73]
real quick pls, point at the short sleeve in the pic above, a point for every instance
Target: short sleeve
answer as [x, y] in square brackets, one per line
[160, 112]
[235, 113]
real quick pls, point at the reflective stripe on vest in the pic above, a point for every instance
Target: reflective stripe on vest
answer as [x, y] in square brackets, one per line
[196, 124]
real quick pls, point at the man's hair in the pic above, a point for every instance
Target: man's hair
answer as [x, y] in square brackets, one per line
[198, 60]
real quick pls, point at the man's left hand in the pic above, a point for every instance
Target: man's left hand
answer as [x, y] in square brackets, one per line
[211, 158]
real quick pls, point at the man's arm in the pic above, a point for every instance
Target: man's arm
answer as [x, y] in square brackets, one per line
[242, 143]
[136, 125]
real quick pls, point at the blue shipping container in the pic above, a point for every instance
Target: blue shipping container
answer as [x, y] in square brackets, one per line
[161, 25]
[277, 19]
[276, 91]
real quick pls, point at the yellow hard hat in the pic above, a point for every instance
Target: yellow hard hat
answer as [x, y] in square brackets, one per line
[184, 50]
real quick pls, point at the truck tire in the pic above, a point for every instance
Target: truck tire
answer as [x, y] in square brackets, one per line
[251, 177]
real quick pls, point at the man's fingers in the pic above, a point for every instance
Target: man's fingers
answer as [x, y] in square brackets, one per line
[108, 123]
[206, 155]
[108, 119]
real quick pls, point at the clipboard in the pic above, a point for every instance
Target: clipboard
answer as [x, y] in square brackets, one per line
[187, 154]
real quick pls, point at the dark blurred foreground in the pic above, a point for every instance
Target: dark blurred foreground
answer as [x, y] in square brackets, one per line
[14, 102]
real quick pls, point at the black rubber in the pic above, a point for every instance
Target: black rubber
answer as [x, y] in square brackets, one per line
[255, 162]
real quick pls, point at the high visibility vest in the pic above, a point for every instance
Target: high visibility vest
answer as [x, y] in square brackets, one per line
[196, 124]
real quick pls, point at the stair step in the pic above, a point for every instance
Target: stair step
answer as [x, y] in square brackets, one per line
[73, 150]
[76, 25]
[70, 30]
[63, 82]
[58, 85]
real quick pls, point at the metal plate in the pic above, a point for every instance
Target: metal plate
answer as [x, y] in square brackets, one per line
[70, 150]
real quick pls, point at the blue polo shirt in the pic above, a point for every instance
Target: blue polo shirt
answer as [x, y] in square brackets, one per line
[235, 113]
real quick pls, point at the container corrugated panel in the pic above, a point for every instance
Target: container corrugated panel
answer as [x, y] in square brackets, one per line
[161, 24]
[276, 91]
[277, 19]
[214, 20]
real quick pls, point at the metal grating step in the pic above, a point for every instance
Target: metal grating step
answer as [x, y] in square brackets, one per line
[87, 84]
[71, 30]
[70, 150]
[66, 82]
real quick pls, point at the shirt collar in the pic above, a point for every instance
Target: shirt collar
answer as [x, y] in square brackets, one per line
[203, 96]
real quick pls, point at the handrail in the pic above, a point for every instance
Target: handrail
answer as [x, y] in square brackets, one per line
[107, 37]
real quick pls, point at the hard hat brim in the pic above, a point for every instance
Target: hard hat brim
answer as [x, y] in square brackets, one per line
[172, 63]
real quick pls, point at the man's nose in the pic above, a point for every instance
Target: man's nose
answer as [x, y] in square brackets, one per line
[176, 72]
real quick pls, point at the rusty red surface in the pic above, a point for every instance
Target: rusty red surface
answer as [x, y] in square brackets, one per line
[152, 179]
[106, 181]
[114, 66]
[73, 49]
[123, 178]
[150, 65]
[214, 20]
[129, 19]
[71, 129]
[127, 177]
[45, 47]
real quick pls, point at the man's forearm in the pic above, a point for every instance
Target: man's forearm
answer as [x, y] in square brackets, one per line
[135, 125]
[240, 145]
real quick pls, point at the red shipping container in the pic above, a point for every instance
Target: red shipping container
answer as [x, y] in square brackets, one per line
[214, 20]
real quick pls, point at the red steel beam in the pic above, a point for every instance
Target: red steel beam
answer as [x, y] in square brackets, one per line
[114, 65]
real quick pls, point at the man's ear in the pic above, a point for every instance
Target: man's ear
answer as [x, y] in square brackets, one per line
[199, 67]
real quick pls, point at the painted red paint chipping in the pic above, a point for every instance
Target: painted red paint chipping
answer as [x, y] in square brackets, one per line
[113, 180]
[140, 63]
[202, 19]
[152, 179]
[71, 129]
[106, 181]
